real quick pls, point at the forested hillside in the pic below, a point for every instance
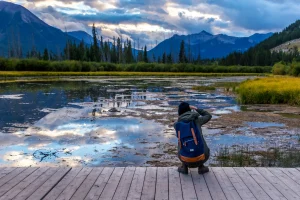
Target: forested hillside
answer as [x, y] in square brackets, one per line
[261, 55]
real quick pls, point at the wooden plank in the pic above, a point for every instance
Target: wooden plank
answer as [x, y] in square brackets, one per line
[100, 184]
[112, 184]
[16, 180]
[226, 185]
[71, 188]
[200, 186]
[280, 186]
[59, 188]
[239, 185]
[187, 186]
[286, 180]
[124, 185]
[253, 186]
[265, 184]
[87, 184]
[292, 173]
[36, 184]
[162, 184]
[50, 183]
[11, 175]
[22, 185]
[175, 191]
[148, 191]
[214, 187]
[5, 171]
[135, 191]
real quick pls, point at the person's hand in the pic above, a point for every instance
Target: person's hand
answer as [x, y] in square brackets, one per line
[193, 107]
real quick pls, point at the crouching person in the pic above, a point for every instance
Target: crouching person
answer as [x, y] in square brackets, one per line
[193, 151]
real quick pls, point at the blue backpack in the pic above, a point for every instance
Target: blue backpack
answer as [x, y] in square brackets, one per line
[190, 142]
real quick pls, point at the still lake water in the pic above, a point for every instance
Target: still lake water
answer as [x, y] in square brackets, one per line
[69, 122]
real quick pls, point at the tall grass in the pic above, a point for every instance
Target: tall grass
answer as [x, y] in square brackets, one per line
[248, 157]
[270, 90]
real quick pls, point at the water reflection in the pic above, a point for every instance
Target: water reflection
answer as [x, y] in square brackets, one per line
[72, 123]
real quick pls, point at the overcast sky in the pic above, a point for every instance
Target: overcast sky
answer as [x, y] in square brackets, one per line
[151, 20]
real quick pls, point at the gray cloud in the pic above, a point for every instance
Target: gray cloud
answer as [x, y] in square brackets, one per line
[231, 17]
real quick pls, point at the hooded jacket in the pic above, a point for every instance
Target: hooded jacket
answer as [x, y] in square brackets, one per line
[201, 117]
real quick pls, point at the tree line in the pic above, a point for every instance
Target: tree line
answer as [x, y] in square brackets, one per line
[117, 51]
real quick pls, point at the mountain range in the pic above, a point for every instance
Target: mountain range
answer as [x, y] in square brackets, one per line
[207, 45]
[21, 29]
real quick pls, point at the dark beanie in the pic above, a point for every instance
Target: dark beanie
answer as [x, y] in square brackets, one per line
[183, 107]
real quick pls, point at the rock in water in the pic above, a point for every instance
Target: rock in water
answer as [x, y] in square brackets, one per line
[113, 110]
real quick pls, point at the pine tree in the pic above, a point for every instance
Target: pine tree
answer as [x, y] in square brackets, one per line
[164, 58]
[119, 50]
[81, 51]
[170, 58]
[159, 59]
[128, 52]
[114, 52]
[182, 57]
[102, 50]
[46, 55]
[95, 47]
[145, 55]
[140, 56]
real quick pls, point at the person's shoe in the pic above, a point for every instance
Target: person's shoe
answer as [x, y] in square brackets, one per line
[203, 169]
[183, 169]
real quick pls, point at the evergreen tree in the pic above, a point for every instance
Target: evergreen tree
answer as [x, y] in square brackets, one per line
[46, 54]
[95, 56]
[102, 51]
[198, 61]
[128, 52]
[182, 57]
[81, 51]
[119, 50]
[140, 56]
[164, 58]
[170, 58]
[114, 52]
[159, 59]
[145, 55]
[153, 58]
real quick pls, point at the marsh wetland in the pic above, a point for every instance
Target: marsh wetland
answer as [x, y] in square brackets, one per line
[109, 121]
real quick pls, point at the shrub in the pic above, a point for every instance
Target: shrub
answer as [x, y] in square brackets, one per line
[279, 69]
[295, 69]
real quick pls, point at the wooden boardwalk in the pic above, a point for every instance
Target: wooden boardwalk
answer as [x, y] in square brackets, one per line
[149, 183]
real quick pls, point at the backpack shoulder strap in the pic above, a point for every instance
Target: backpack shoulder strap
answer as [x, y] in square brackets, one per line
[194, 136]
[179, 141]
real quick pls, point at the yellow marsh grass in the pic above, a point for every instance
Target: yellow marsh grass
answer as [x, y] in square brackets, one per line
[35, 73]
[270, 90]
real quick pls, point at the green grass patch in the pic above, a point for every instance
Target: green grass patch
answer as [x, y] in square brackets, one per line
[270, 90]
